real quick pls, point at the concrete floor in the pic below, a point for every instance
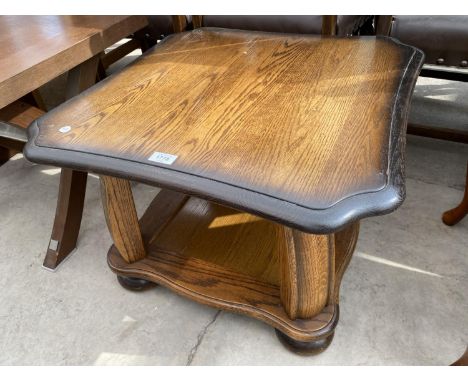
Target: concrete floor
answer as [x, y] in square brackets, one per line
[403, 298]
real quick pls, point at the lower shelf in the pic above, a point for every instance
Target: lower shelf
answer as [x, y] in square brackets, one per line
[220, 288]
[223, 258]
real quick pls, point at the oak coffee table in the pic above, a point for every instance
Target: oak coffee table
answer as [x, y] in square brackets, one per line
[269, 148]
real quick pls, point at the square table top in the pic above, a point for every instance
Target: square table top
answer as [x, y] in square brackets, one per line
[305, 130]
[36, 49]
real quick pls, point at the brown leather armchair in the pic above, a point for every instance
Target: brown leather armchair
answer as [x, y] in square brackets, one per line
[444, 40]
[339, 25]
[160, 26]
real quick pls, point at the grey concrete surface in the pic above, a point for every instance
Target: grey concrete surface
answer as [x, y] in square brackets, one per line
[404, 297]
[441, 103]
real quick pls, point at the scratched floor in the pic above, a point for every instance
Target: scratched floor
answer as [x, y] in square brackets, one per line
[404, 299]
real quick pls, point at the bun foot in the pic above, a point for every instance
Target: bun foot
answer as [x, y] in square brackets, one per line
[302, 347]
[134, 284]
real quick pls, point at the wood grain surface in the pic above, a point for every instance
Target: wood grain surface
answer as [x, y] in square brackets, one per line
[36, 49]
[231, 239]
[234, 260]
[261, 121]
[305, 271]
[345, 243]
[121, 218]
[20, 113]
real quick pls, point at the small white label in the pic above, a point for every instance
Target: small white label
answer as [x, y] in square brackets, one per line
[162, 158]
[65, 129]
[53, 244]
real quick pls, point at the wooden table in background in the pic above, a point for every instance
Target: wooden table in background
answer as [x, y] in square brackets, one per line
[37, 49]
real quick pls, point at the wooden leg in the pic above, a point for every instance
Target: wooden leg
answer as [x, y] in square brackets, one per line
[123, 224]
[456, 214]
[67, 217]
[72, 187]
[179, 23]
[121, 218]
[14, 119]
[345, 243]
[38, 100]
[101, 71]
[463, 361]
[312, 267]
[307, 268]
[82, 77]
[5, 155]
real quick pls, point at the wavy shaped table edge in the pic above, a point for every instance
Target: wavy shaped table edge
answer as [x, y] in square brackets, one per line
[316, 221]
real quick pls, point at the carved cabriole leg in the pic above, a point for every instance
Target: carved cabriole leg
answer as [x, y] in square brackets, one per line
[122, 220]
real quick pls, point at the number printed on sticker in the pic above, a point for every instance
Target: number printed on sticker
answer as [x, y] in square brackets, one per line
[162, 158]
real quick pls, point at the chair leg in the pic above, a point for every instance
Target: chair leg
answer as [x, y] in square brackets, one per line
[456, 214]
[5, 155]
